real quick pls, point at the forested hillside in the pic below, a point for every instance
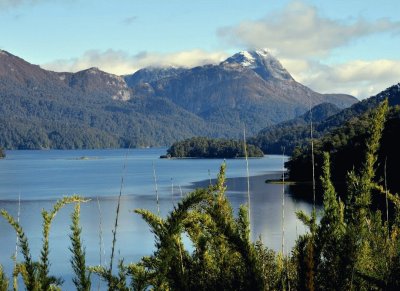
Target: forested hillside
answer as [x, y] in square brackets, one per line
[347, 143]
[292, 133]
[325, 117]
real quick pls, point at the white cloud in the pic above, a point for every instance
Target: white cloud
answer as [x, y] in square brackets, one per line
[120, 62]
[300, 31]
[14, 3]
[358, 77]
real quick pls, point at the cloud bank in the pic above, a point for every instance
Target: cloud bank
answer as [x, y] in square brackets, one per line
[300, 31]
[121, 63]
[359, 78]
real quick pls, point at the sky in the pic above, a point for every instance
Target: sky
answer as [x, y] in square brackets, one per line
[337, 46]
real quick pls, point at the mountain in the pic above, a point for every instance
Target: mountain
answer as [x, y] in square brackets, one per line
[151, 74]
[152, 107]
[249, 88]
[87, 109]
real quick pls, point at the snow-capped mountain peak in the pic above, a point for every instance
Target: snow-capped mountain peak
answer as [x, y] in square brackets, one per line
[261, 61]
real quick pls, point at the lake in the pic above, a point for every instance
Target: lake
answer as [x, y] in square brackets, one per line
[39, 178]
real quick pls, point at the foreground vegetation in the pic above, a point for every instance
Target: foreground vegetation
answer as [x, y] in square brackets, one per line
[346, 145]
[350, 246]
[202, 147]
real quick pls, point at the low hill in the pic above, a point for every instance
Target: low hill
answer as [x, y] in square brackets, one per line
[292, 133]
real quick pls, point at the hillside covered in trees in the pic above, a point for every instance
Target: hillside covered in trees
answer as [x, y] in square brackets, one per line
[202, 147]
[293, 133]
[346, 144]
[325, 117]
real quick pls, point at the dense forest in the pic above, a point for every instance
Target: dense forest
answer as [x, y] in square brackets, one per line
[346, 145]
[202, 147]
[349, 246]
[293, 133]
[325, 117]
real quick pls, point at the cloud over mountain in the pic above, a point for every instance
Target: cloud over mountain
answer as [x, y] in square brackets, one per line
[359, 78]
[120, 62]
[301, 31]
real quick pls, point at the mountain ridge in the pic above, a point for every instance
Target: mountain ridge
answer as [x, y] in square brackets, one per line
[92, 108]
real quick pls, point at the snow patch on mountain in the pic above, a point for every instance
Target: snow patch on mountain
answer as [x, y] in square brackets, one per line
[260, 61]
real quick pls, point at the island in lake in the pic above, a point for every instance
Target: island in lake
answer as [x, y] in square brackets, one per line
[202, 147]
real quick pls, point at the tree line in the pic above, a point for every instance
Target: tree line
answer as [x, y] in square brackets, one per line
[202, 147]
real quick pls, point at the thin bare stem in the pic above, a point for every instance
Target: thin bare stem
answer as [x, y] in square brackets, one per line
[15, 277]
[181, 256]
[156, 189]
[18, 216]
[180, 190]
[117, 215]
[172, 191]
[247, 171]
[283, 201]
[102, 251]
[386, 196]
[312, 156]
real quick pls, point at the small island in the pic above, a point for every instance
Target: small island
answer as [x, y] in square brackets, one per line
[202, 147]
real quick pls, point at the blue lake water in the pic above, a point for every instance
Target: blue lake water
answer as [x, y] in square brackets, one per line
[39, 178]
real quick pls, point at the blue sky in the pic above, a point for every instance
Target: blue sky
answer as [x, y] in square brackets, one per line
[331, 46]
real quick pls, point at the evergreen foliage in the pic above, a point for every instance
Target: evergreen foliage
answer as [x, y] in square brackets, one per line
[3, 280]
[36, 275]
[346, 146]
[82, 276]
[202, 147]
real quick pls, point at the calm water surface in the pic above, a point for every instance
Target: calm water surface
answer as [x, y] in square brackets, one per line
[39, 178]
